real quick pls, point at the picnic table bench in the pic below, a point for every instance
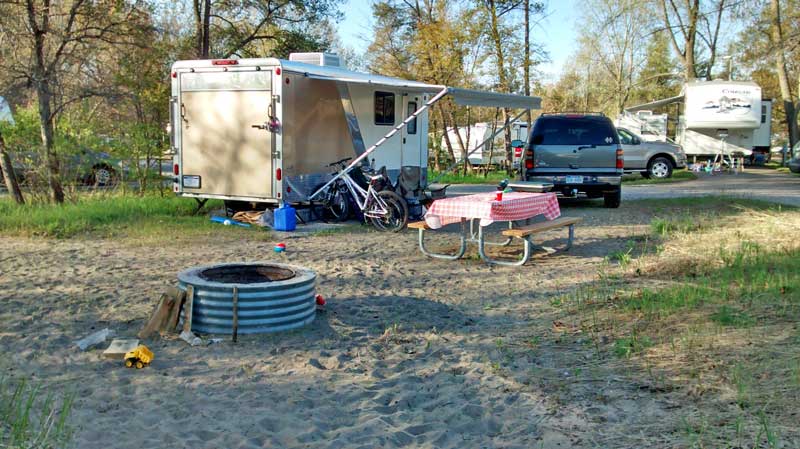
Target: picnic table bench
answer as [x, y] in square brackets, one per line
[512, 207]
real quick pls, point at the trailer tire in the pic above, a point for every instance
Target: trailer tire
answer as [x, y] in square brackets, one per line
[612, 200]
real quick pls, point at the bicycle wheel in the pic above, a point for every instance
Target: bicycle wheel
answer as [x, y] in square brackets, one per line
[335, 202]
[389, 213]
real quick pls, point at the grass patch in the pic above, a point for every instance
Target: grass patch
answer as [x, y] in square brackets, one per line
[493, 177]
[111, 216]
[31, 417]
[677, 176]
[714, 312]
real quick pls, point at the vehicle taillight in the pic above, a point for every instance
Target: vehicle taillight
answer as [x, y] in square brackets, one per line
[529, 159]
[224, 62]
[278, 174]
[175, 169]
[620, 159]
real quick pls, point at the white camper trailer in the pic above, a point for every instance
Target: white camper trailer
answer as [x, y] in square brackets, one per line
[492, 150]
[265, 130]
[649, 126]
[720, 117]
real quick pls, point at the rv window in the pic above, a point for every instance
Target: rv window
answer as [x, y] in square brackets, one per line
[411, 128]
[763, 114]
[384, 108]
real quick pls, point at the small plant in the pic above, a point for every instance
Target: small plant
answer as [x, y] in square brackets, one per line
[728, 316]
[740, 376]
[629, 346]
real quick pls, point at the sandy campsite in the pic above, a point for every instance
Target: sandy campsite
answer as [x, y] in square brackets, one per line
[410, 352]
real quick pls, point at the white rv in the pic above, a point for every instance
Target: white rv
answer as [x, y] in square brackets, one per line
[482, 147]
[720, 117]
[265, 130]
[5, 112]
[647, 125]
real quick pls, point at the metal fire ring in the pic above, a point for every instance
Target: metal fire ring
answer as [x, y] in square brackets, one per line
[271, 297]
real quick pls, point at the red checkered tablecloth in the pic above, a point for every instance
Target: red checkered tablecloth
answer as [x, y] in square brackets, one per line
[514, 206]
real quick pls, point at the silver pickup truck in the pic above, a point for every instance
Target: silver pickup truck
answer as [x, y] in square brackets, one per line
[652, 159]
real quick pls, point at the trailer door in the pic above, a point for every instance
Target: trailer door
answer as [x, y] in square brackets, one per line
[222, 153]
[411, 141]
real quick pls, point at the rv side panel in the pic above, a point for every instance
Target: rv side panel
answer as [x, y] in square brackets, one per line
[314, 128]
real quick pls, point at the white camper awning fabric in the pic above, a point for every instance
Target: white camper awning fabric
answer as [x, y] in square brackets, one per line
[464, 97]
[469, 97]
[655, 104]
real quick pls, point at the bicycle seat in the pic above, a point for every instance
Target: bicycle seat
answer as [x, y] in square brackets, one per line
[339, 162]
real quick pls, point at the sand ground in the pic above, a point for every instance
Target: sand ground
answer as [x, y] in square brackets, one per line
[411, 351]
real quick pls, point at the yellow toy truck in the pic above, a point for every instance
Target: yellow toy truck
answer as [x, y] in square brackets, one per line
[140, 357]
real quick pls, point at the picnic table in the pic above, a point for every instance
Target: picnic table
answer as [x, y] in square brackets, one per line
[484, 209]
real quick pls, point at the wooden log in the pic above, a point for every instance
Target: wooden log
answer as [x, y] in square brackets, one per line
[187, 311]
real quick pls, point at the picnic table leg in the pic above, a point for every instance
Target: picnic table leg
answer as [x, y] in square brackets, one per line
[462, 249]
[526, 253]
[475, 238]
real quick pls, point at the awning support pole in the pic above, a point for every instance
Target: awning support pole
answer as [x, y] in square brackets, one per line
[383, 139]
[495, 134]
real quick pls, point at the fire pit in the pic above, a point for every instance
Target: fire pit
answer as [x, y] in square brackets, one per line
[270, 297]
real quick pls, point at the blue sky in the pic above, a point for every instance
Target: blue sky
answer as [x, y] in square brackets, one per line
[557, 31]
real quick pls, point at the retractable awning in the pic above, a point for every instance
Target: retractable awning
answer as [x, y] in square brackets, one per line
[463, 97]
[655, 104]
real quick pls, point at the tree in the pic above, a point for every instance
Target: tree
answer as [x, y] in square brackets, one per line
[224, 28]
[790, 109]
[59, 52]
[619, 56]
[9, 176]
[690, 23]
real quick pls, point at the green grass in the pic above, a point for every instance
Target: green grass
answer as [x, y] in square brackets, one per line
[677, 176]
[31, 417]
[749, 277]
[493, 177]
[110, 216]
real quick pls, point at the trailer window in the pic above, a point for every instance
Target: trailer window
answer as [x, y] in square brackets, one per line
[411, 127]
[763, 114]
[384, 108]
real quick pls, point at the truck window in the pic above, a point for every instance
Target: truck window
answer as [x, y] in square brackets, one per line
[573, 131]
[384, 108]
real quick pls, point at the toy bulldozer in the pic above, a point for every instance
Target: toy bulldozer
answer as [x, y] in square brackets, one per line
[140, 357]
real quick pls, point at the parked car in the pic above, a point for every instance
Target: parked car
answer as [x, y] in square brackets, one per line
[579, 154]
[93, 168]
[653, 159]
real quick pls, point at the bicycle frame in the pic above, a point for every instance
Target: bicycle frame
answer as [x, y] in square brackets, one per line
[364, 198]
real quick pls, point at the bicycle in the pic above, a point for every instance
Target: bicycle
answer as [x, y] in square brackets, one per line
[385, 209]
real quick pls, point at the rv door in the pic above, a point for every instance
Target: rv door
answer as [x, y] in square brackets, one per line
[226, 147]
[411, 148]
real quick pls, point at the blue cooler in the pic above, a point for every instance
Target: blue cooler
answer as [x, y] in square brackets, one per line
[285, 219]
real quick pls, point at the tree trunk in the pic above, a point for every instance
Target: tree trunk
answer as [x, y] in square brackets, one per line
[206, 29]
[8, 173]
[50, 159]
[526, 69]
[501, 69]
[783, 78]
[447, 141]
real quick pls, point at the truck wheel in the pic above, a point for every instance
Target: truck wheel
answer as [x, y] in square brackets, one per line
[129, 363]
[660, 168]
[139, 364]
[611, 200]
